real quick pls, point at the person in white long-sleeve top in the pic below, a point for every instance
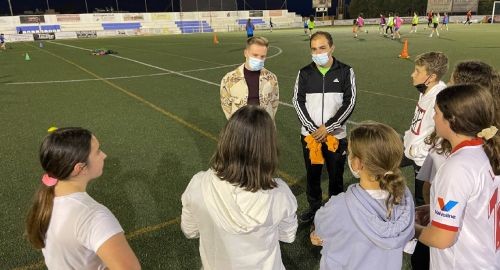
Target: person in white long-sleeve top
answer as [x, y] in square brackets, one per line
[430, 67]
[236, 208]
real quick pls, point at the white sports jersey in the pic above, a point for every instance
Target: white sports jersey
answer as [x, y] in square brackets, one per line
[78, 227]
[422, 125]
[464, 199]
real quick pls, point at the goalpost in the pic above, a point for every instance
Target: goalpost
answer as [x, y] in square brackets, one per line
[495, 14]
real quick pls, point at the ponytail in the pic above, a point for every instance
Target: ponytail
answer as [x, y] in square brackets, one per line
[60, 151]
[492, 149]
[394, 183]
[38, 219]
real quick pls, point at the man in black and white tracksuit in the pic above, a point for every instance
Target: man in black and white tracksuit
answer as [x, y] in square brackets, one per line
[324, 98]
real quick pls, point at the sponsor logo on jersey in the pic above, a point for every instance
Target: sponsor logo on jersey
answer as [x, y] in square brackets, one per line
[448, 206]
[445, 208]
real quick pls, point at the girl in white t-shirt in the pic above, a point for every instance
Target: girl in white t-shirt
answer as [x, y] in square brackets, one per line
[464, 195]
[73, 230]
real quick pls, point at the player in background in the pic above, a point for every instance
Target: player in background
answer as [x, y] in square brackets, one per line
[468, 17]
[429, 18]
[249, 27]
[446, 20]
[382, 24]
[2, 42]
[360, 22]
[414, 23]
[310, 25]
[397, 25]
[435, 24]
[390, 25]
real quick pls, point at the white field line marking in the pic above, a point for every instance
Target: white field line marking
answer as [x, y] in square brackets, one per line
[280, 51]
[86, 80]
[179, 74]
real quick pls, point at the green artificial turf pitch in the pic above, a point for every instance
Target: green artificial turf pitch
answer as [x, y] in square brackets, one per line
[156, 111]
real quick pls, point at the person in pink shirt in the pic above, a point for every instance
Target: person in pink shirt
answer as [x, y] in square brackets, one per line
[397, 24]
[360, 22]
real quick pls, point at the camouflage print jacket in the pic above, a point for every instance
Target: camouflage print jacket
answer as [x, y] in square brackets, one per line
[234, 91]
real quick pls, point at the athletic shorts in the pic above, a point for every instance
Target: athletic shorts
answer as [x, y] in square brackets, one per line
[396, 29]
[413, 24]
[436, 25]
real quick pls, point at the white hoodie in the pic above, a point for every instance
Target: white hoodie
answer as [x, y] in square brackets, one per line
[238, 229]
[422, 125]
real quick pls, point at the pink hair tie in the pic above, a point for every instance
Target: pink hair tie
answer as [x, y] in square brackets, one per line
[49, 181]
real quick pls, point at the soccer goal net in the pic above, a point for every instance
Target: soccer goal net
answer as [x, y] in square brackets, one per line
[495, 15]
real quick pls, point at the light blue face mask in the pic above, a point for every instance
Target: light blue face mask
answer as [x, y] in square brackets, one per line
[255, 64]
[321, 59]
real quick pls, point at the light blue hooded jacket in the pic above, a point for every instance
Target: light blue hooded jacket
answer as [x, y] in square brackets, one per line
[357, 235]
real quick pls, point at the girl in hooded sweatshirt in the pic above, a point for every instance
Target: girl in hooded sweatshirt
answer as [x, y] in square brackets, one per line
[236, 208]
[368, 226]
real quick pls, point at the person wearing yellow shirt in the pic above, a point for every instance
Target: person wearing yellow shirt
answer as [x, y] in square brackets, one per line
[414, 23]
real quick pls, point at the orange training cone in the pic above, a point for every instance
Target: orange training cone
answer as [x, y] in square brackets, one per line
[216, 40]
[404, 52]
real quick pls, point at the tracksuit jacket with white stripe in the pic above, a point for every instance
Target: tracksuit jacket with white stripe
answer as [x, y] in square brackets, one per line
[327, 99]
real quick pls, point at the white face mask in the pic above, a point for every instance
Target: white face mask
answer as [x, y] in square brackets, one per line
[255, 64]
[354, 173]
[321, 59]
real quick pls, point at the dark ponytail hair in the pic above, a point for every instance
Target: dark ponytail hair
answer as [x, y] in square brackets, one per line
[469, 109]
[59, 153]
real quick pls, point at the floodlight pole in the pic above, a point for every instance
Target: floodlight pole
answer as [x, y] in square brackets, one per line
[10, 7]
[86, 6]
[284, 5]
[117, 7]
[146, 5]
[48, 7]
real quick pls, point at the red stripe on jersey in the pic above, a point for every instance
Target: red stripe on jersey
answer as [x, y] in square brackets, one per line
[473, 142]
[493, 202]
[444, 226]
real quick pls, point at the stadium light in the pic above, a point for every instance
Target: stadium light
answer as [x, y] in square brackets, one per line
[10, 7]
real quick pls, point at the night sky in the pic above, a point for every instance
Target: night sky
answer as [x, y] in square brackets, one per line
[303, 7]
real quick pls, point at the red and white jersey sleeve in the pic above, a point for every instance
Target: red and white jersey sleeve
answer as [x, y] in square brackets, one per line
[464, 199]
